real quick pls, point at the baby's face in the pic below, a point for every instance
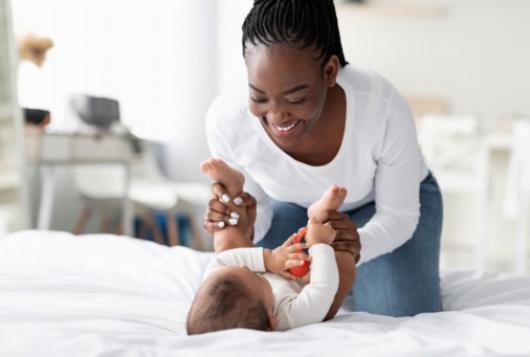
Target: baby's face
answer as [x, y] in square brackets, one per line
[254, 283]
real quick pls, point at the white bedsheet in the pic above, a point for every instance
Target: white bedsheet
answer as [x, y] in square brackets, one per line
[104, 295]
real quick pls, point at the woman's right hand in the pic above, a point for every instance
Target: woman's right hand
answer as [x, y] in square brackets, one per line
[218, 212]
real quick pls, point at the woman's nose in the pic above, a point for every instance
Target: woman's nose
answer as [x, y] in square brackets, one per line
[275, 116]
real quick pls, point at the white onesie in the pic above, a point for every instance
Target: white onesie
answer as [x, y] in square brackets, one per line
[295, 304]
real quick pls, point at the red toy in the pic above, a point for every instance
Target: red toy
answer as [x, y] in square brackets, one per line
[301, 270]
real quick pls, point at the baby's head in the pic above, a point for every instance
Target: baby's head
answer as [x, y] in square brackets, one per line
[232, 297]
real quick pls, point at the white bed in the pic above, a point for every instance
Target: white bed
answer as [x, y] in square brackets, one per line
[104, 295]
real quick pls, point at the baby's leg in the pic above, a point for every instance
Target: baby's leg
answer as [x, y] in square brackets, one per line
[233, 233]
[331, 200]
[219, 171]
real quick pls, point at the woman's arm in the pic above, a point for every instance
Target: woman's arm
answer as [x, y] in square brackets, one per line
[400, 169]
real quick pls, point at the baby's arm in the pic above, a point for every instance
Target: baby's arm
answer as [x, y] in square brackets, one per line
[252, 258]
[315, 299]
[260, 260]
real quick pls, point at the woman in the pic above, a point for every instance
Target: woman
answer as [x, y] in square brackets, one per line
[311, 121]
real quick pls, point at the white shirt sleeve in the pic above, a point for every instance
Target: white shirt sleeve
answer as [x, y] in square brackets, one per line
[219, 148]
[252, 258]
[397, 181]
[315, 299]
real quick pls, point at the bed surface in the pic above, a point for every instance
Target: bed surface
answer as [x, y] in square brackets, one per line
[103, 295]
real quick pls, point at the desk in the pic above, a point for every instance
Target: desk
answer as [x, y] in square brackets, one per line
[51, 150]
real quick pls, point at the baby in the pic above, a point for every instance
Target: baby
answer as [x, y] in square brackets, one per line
[249, 287]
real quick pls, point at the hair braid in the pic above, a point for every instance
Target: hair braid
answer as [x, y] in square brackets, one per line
[303, 23]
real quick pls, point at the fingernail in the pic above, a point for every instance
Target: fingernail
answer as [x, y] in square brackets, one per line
[238, 201]
[301, 262]
[220, 224]
[232, 221]
[234, 215]
[225, 198]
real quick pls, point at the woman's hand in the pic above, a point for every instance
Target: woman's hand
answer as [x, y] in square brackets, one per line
[346, 235]
[319, 233]
[219, 214]
[279, 260]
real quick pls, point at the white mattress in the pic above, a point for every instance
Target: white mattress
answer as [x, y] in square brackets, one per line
[104, 295]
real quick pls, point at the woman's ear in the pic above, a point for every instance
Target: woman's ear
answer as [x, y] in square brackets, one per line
[331, 70]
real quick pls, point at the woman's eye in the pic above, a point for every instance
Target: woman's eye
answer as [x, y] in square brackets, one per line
[296, 101]
[259, 100]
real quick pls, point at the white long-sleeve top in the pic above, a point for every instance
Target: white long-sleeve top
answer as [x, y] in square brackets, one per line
[295, 304]
[379, 160]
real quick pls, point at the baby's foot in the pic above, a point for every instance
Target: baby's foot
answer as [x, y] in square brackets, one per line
[331, 200]
[230, 178]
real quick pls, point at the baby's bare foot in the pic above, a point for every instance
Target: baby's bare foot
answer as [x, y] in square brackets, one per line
[331, 200]
[230, 178]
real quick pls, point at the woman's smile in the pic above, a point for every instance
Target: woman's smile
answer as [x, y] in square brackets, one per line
[285, 129]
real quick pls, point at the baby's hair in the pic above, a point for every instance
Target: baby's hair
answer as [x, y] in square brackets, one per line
[300, 22]
[226, 304]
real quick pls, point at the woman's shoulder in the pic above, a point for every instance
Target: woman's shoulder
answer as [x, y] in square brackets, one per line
[226, 110]
[229, 124]
[367, 82]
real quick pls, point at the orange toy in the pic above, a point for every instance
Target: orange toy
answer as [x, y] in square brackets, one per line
[300, 270]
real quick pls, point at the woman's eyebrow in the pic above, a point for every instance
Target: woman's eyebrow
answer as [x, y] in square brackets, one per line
[296, 89]
[289, 91]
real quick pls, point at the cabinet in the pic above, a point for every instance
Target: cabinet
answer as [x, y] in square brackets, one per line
[12, 188]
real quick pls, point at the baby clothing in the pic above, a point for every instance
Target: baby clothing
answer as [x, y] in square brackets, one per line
[295, 304]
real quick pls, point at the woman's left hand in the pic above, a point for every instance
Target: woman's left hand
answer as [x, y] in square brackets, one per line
[346, 230]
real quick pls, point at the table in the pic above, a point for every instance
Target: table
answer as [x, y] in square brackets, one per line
[52, 150]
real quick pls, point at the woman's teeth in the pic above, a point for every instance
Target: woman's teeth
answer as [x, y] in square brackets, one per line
[286, 128]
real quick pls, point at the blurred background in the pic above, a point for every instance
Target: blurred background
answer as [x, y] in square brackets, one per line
[115, 96]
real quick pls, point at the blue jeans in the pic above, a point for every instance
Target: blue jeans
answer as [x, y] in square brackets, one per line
[404, 282]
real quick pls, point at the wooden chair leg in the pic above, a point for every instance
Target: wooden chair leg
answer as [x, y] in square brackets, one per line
[142, 230]
[117, 225]
[172, 229]
[82, 221]
[150, 222]
[197, 240]
[106, 223]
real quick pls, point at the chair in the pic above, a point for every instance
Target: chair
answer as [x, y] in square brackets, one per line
[102, 187]
[456, 151]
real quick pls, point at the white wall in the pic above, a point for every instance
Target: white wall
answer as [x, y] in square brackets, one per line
[231, 66]
[217, 58]
[476, 56]
[158, 58]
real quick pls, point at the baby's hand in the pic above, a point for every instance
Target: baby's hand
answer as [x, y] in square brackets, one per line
[279, 260]
[319, 233]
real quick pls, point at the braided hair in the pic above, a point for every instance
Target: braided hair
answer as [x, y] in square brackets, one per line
[305, 23]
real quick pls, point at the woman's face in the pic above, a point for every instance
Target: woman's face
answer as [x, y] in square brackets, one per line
[288, 88]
